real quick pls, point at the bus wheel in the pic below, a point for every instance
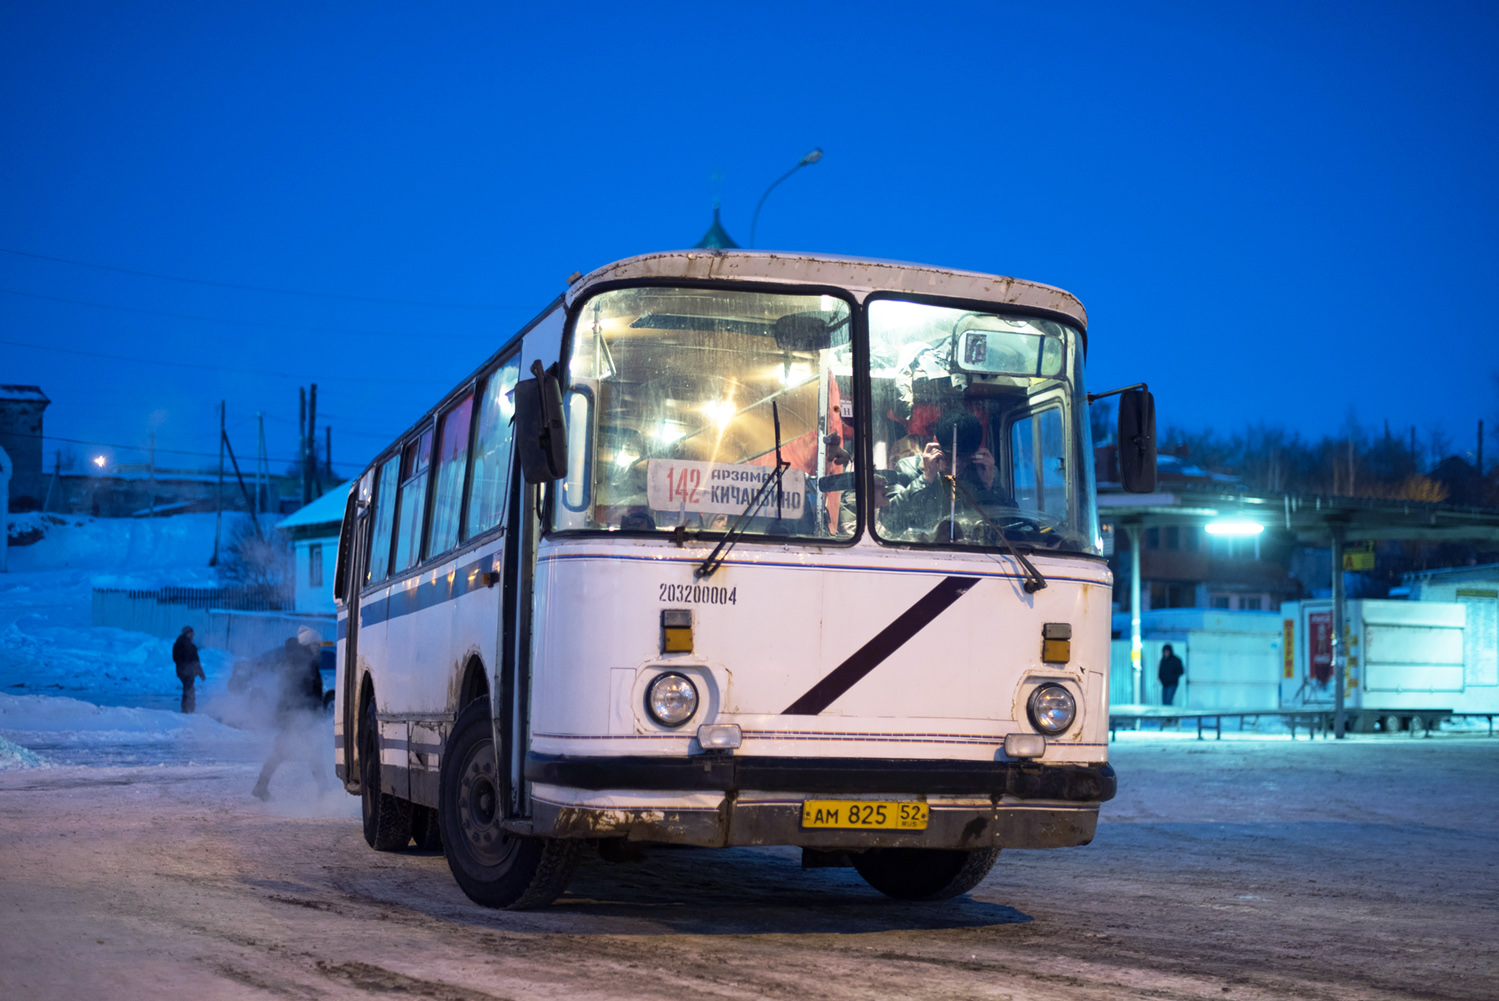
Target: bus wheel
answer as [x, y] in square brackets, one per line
[493, 868]
[923, 873]
[387, 818]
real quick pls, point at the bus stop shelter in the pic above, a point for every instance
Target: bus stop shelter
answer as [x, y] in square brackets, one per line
[1331, 522]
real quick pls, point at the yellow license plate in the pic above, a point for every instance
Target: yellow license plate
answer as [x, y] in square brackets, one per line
[864, 815]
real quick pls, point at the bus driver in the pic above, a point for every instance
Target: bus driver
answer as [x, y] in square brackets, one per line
[918, 498]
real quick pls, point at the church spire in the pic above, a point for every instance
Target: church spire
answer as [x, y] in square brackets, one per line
[717, 238]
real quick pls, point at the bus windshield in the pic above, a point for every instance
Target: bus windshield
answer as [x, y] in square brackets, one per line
[980, 429]
[681, 401]
[691, 409]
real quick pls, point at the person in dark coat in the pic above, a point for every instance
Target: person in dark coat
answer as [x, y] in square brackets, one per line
[917, 496]
[299, 710]
[189, 670]
[1170, 672]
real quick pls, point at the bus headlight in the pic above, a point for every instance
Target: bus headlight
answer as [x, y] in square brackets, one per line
[1052, 709]
[671, 699]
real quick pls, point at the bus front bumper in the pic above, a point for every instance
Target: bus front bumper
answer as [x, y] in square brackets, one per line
[722, 800]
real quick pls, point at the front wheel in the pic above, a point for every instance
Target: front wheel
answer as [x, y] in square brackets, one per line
[492, 867]
[924, 873]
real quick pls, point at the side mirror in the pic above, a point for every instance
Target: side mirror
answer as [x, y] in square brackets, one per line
[1137, 441]
[540, 434]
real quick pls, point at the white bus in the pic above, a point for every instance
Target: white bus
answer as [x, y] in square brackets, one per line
[741, 548]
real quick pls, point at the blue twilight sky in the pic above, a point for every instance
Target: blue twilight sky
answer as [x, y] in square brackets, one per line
[1280, 212]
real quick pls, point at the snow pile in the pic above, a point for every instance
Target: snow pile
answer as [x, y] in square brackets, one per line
[26, 527]
[13, 756]
[125, 545]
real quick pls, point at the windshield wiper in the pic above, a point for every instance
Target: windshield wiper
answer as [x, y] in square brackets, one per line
[1033, 579]
[731, 537]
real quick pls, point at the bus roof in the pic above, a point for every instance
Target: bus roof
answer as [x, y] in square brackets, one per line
[854, 273]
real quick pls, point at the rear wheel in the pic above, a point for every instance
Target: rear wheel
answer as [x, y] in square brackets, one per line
[493, 868]
[924, 873]
[387, 818]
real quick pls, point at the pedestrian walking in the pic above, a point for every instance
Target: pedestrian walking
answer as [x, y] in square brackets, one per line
[1170, 672]
[299, 708]
[189, 669]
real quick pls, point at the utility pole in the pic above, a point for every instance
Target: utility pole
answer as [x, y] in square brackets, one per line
[328, 450]
[56, 473]
[152, 511]
[262, 468]
[218, 521]
[1480, 448]
[1339, 651]
[302, 442]
[309, 457]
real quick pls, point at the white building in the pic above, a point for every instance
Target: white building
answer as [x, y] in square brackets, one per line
[313, 531]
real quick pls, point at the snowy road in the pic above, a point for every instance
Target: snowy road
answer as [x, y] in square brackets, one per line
[138, 867]
[1250, 868]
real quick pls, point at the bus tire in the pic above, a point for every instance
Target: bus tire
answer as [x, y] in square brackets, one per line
[387, 818]
[923, 873]
[492, 867]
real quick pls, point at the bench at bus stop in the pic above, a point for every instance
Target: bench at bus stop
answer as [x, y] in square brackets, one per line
[1315, 720]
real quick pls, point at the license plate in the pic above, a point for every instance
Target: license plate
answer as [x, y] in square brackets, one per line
[864, 815]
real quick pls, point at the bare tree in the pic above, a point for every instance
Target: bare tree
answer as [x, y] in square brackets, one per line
[261, 563]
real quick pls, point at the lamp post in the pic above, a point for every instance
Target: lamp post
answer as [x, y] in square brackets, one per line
[810, 158]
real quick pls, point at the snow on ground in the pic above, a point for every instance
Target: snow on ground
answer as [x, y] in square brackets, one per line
[68, 731]
[74, 694]
[47, 644]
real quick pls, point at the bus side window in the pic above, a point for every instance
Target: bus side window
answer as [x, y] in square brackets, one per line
[452, 460]
[491, 476]
[414, 461]
[1037, 457]
[345, 544]
[385, 520]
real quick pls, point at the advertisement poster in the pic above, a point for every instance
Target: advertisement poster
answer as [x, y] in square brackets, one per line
[1319, 646]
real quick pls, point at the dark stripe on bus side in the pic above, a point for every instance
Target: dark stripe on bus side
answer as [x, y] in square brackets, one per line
[405, 600]
[888, 640]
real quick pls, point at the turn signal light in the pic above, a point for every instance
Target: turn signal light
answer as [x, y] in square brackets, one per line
[1056, 642]
[676, 630]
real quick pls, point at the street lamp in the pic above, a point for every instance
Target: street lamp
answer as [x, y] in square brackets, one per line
[811, 157]
[1233, 528]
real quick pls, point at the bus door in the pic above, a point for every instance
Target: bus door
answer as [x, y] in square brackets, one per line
[353, 555]
[512, 698]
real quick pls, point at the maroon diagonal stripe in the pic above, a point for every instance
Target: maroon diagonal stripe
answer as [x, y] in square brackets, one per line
[888, 640]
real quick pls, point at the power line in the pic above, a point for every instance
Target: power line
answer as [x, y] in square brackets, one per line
[353, 332]
[329, 424]
[168, 451]
[215, 368]
[252, 288]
